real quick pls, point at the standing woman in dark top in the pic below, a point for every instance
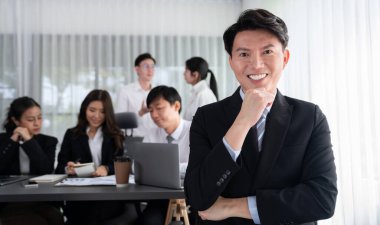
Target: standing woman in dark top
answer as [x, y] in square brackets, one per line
[96, 138]
[23, 150]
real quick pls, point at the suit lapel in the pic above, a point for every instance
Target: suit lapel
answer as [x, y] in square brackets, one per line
[83, 141]
[232, 108]
[276, 127]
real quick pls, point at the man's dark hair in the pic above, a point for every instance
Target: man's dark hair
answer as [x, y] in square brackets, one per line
[253, 19]
[170, 94]
[142, 57]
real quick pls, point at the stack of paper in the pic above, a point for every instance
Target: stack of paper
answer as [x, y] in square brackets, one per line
[80, 181]
[47, 178]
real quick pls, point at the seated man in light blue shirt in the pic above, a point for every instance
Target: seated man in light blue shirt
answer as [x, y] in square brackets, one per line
[164, 104]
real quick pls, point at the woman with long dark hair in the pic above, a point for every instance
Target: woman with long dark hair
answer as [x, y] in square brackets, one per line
[196, 72]
[24, 150]
[96, 138]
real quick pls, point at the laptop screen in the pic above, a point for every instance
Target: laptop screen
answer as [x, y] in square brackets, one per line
[156, 164]
[9, 179]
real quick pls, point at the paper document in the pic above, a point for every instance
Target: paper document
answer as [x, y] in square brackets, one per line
[84, 169]
[47, 178]
[81, 181]
[95, 181]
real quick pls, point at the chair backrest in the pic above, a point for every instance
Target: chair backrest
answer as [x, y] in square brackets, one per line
[126, 120]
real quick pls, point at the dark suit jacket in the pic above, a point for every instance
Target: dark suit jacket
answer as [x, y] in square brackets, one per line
[40, 149]
[293, 178]
[77, 148]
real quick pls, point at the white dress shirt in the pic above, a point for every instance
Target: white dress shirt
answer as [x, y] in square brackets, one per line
[180, 136]
[95, 144]
[24, 161]
[129, 99]
[201, 95]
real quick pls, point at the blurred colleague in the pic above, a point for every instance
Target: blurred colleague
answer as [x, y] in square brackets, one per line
[96, 138]
[132, 97]
[196, 72]
[24, 150]
[164, 105]
[259, 157]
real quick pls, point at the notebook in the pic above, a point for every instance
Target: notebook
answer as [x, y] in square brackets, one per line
[9, 179]
[47, 178]
[156, 164]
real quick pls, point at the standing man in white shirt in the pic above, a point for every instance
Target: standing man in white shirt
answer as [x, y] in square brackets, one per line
[131, 97]
[164, 105]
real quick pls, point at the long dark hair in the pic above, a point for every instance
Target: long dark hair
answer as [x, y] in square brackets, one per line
[198, 64]
[109, 126]
[16, 109]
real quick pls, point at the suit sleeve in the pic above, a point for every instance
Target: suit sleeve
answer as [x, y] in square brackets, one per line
[314, 196]
[8, 150]
[65, 154]
[210, 168]
[41, 155]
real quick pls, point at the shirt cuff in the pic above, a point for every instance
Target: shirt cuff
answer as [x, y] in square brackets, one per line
[234, 154]
[252, 206]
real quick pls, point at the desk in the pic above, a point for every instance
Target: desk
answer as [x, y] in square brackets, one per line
[47, 192]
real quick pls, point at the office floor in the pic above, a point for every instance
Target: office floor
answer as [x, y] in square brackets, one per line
[127, 218]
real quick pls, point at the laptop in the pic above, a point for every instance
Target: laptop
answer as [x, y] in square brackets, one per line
[9, 179]
[156, 164]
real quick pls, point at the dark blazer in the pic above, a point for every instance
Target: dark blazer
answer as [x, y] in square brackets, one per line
[77, 148]
[293, 178]
[40, 149]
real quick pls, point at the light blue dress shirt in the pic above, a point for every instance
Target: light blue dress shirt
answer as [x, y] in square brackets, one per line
[252, 204]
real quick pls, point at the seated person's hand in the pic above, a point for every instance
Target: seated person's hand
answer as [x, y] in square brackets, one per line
[101, 171]
[21, 133]
[70, 168]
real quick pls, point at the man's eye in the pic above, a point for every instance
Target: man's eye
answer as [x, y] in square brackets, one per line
[243, 54]
[267, 52]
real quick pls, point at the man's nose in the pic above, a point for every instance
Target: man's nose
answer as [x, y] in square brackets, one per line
[256, 61]
[153, 113]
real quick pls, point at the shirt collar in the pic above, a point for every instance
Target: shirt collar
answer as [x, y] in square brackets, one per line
[199, 86]
[177, 132]
[99, 133]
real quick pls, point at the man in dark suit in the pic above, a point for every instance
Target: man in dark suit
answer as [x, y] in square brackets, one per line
[258, 157]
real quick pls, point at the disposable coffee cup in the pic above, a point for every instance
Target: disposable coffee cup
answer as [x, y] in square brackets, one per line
[122, 166]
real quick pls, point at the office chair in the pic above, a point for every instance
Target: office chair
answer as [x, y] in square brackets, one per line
[126, 121]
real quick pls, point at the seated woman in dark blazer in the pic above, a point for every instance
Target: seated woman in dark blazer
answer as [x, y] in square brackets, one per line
[96, 138]
[23, 150]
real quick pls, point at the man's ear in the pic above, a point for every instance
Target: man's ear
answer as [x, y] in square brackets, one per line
[286, 57]
[137, 70]
[177, 106]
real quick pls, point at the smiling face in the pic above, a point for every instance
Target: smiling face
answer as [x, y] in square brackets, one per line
[145, 70]
[31, 119]
[95, 114]
[258, 59]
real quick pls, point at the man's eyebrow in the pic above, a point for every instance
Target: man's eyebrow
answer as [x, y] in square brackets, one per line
[268, 46]
[241, 49]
